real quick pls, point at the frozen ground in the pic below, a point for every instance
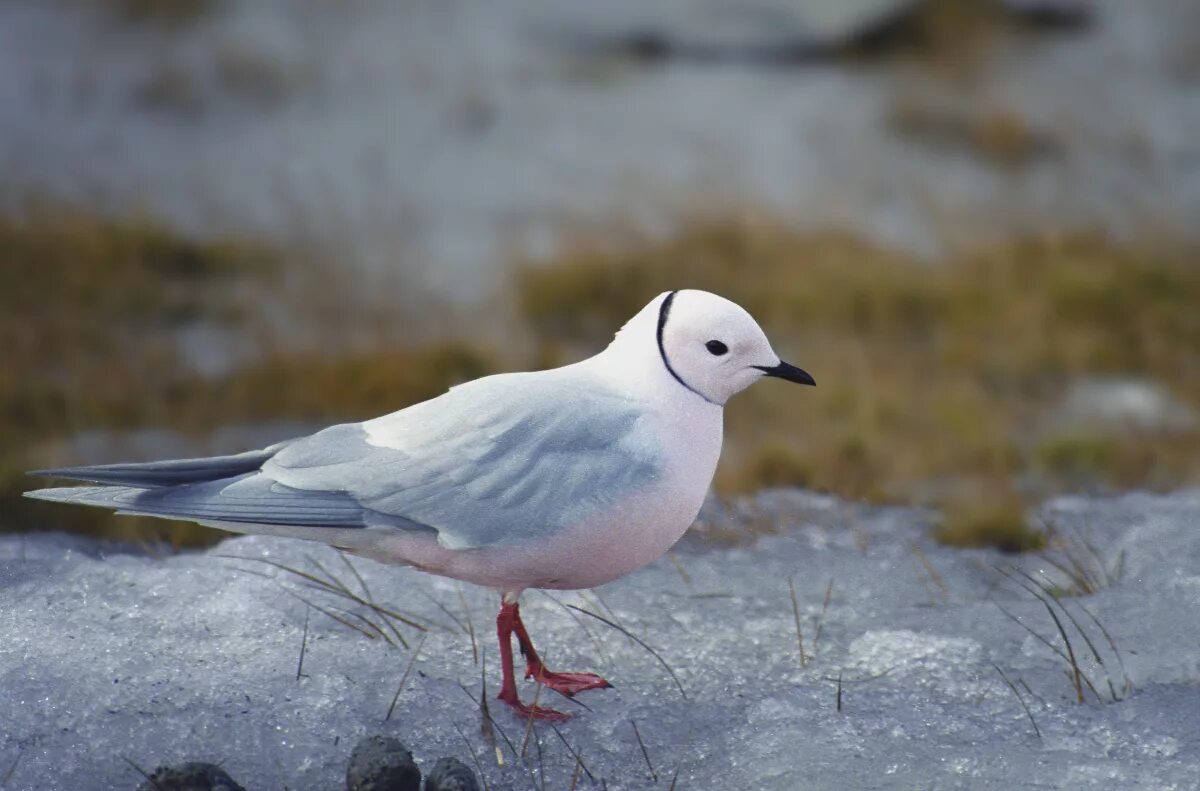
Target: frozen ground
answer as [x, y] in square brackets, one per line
[437, 138]
[107, 655]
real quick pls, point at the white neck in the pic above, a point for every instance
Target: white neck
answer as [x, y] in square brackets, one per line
[633, 363]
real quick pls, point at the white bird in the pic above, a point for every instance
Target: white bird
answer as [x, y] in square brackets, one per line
[566, 478]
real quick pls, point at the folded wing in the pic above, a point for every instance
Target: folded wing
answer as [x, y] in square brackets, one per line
[154, 474]
[501, 460]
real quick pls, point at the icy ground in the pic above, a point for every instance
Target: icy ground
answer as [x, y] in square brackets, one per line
[108, 655]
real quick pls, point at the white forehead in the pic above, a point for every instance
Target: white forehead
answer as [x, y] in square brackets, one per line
[706, 313]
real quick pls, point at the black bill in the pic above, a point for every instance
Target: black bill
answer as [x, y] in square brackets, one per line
[789, 372]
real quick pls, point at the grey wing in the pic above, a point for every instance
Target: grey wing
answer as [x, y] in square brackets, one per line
[252, 498]
[501, 460]
[174, 472]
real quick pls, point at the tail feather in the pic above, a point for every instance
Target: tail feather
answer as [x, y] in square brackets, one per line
[156, 474]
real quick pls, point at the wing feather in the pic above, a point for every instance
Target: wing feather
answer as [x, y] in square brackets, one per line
[498, 461]
[501, 460]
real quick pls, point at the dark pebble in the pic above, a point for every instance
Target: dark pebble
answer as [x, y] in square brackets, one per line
[381, 763]
[451, 774]
[190, 777]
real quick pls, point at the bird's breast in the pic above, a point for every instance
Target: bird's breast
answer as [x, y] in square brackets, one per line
[639, 528]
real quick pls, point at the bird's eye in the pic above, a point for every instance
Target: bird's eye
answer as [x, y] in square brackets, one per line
[716, 347]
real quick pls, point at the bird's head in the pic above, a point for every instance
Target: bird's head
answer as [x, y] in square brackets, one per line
[714, 348]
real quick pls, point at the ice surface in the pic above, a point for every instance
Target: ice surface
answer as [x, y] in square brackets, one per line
[441, 136]
[108, 655]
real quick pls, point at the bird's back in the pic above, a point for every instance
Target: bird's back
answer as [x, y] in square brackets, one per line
[504, 460]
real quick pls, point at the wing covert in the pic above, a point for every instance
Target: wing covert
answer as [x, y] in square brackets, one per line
[500, 460]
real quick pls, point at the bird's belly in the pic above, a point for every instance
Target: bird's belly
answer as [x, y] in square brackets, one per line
[600, 549]
[639, 528]
[618, 541]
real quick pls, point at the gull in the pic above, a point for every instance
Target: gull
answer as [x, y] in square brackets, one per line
[563, 479]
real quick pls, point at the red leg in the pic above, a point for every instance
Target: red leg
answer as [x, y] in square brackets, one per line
[508, 620]
[566, 683]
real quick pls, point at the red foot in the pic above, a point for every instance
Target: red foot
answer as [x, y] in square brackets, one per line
[508, 623]
[567, 683]
[533, 712]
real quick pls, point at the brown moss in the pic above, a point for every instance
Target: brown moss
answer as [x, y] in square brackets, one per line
[1078, 456]
[775, 464]
[86, 321]
[1003, 526]
[954, 36]
[951, 34]
[319, 387]
[87, 311]
[997, 135]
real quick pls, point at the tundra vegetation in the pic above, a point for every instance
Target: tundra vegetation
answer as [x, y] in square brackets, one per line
[938, 380]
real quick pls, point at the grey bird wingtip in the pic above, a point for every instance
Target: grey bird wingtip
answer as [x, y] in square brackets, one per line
[50, 495]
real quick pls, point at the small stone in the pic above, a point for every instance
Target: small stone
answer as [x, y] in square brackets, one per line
[451, 774]
[190, 777]
[381, 763]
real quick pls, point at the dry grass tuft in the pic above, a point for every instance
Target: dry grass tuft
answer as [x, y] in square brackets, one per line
[1082, 568]
[1082, 667]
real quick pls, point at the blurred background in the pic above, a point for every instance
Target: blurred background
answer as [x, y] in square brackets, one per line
[976, 222]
